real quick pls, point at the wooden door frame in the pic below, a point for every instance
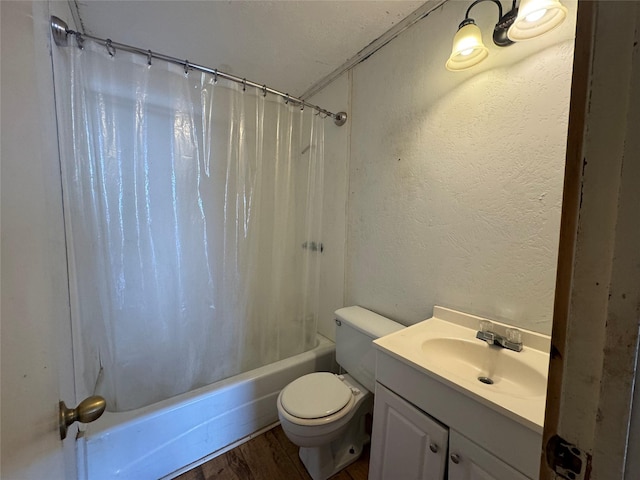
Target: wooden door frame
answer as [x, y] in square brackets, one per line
[595, 325]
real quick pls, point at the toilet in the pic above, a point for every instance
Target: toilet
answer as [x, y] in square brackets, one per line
[324, 413]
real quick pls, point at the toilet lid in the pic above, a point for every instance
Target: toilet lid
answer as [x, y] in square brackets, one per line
[315, 395]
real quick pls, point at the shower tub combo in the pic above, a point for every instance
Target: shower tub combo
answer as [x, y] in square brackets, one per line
[192, 205]
[161, 439]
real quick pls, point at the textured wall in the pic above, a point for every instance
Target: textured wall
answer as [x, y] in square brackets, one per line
[456, 178]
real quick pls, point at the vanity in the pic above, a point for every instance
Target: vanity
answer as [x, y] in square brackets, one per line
[452, 402]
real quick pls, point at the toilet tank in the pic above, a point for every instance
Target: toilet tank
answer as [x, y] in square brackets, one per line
[356, 328]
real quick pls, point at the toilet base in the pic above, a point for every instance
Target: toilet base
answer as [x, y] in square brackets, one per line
[326, 460]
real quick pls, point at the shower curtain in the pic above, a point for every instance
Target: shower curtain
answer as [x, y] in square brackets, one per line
[190, 206]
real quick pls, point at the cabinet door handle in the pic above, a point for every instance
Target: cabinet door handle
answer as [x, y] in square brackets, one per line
[434, 447]
[455, 458]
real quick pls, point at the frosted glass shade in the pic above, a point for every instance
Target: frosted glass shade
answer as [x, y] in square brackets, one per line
[536, 17]
[468, 49]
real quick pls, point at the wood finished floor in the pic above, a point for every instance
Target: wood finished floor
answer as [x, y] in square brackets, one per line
[270, 456]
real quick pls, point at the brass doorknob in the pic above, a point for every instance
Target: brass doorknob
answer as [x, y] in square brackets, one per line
[89, 410]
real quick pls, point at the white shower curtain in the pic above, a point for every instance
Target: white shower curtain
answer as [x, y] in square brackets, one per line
[188, 207]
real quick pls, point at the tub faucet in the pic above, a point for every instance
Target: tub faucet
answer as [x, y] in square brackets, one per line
[512, 341]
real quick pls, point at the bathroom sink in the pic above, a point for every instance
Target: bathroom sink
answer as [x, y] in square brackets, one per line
[493, 367]
[445, 349]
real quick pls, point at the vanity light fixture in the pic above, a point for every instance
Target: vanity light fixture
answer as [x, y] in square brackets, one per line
[531, 19]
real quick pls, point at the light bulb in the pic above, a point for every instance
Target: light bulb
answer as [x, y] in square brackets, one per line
[535, 18]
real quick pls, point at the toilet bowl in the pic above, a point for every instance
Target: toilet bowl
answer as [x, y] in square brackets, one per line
[324, 413]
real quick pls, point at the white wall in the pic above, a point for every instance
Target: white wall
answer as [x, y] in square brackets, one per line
[455, 179]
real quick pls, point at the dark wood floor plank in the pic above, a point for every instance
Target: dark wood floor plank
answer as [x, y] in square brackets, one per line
[193, 474]
[230, 466]
[270, 456]
[292, 452]
[343, 475]
[267, 459]
[286, 444]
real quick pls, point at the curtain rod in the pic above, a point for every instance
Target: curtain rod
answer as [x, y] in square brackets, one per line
[61, 32]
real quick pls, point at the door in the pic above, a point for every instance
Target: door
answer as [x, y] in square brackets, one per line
[406, 442]
[36, 339]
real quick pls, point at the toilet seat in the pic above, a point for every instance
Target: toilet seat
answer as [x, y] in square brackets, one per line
[317, 398]
[315, 395]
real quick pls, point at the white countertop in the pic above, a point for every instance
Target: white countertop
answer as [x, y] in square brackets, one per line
[519, 391]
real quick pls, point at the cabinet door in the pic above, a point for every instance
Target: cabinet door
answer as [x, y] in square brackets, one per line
[468, 461]
[406, 443]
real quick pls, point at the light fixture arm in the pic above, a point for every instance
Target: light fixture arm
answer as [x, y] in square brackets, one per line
[498, 4]
[504, 21]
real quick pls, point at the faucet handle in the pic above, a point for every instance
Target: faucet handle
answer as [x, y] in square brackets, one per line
[486, 326]
[514, 335]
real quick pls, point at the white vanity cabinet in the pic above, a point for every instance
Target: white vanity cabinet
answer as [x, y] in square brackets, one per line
[468, 461]
[486, 444]
[406, 443]
[439, 376]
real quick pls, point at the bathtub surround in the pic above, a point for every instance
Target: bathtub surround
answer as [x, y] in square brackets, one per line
[455, 179]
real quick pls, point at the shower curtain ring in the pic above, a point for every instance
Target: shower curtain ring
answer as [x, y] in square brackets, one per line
[264, 90]
[149, 56]
[286, 101]
[302, 107]
[215, 76]
[110, 48]
[80, 40]
[186, 67]
[244, 84]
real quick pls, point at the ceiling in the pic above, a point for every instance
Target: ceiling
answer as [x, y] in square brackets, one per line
[287, 45]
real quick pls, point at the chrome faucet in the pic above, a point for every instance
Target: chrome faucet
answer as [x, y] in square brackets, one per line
[512, 341]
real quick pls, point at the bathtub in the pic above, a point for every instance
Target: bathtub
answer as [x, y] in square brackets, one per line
[154, 441]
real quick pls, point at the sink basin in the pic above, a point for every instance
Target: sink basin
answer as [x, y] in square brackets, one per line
[476, 362]
[445, 349]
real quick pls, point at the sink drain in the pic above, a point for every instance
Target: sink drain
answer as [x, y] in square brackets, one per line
[486, 380]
